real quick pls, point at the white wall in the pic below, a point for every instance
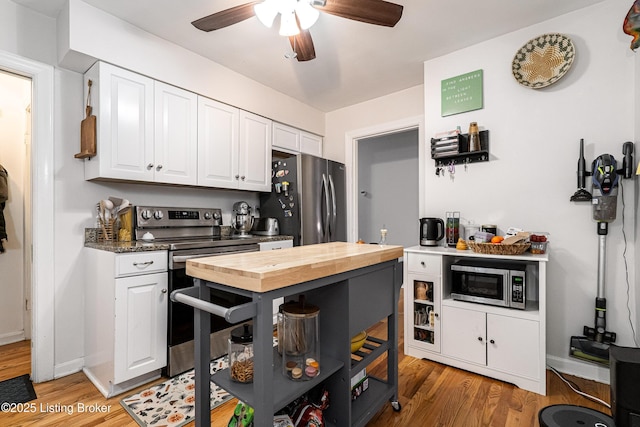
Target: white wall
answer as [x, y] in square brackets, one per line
[534, 141]
[16, 96]
[386, 109]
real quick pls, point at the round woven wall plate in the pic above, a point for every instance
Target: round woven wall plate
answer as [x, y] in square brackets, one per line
[543, 60]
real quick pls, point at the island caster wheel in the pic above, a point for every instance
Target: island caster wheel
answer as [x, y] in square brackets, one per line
[396, 406]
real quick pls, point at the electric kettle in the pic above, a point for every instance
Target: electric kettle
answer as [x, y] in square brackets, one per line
[431, 230]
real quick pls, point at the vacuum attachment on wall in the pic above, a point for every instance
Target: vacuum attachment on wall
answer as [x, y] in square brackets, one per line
[581, 195]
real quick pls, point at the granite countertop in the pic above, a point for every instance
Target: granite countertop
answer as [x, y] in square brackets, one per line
[269, 270]
[91, 241]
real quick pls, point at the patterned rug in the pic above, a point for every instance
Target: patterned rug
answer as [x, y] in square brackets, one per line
[172, 403]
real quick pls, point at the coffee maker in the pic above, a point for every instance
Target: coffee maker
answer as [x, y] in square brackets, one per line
[242, 220]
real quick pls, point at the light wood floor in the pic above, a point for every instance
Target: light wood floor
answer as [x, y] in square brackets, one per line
[431, 395]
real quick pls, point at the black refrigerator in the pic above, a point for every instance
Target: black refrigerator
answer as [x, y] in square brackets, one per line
[308, 197]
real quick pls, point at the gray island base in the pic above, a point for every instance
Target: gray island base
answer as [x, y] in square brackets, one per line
[355, 286]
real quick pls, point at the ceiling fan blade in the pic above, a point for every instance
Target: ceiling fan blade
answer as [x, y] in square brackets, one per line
[377, 12]
[302, 45]
[226, 17]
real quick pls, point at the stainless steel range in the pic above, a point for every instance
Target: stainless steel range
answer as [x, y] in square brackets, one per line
[190, 233]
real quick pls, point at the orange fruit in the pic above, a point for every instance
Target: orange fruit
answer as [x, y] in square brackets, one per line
[497, 239]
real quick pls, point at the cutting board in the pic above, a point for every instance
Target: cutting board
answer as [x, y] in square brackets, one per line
[87, 136]
[518, 238]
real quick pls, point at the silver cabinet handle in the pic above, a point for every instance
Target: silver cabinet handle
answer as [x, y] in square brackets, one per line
[158, 167]
[150, 165]
[422, 263]
[164, 291]
[237, 177]
[142, 264]
[242, 177]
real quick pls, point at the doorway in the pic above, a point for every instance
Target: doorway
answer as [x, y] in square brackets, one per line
[388, 187]
[405, 223]
[40, 243]
[15, 262]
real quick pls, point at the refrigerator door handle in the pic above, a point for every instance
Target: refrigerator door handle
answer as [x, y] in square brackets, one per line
[334, 216]
[325, 219]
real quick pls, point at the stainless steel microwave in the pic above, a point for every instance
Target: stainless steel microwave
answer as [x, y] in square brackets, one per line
[495, 283]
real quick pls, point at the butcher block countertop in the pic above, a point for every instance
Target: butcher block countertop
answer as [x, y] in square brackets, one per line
[269, 270]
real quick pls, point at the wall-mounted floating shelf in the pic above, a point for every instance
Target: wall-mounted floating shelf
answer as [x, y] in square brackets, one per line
[463, 156]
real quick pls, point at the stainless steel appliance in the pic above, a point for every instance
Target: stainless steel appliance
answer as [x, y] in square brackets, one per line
[431, 231]
[308, 199]
[266, 227]
[242, 219]
[190, 233]
[489, 282]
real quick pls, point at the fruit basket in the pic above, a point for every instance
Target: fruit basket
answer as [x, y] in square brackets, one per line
[499, 248]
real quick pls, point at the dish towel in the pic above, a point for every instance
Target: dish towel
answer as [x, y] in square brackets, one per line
[4, 195]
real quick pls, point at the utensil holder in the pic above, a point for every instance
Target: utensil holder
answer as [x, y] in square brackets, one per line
[107, 231]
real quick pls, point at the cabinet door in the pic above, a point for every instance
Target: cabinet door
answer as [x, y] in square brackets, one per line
[217, 144]
[255, 152]
[286, 137]
[310, 144]
[513, 345]
[125, 125]
[464, 334]
[176, 140]
[140, 325]
[423, 311]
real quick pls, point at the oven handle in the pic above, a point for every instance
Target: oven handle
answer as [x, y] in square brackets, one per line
[185, 258]
[238, 313]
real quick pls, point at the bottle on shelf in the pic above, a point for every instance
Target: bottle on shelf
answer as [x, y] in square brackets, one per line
[474, 137]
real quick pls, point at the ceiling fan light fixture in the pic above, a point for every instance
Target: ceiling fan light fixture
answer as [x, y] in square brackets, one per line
[288, 25]
[266, 12]
[307, 15]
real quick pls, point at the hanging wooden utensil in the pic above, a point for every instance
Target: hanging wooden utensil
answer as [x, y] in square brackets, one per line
[87, 131]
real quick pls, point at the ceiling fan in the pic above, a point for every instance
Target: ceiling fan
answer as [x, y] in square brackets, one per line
[297, 16]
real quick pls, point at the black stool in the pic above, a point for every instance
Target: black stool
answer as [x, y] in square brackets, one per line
[573, 416]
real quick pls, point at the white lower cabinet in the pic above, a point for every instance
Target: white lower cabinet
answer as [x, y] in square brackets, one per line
[502, 343]
[126, 302]
[507, 344]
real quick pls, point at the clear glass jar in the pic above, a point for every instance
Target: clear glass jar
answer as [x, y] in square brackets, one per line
[241, 354]
[300, 341]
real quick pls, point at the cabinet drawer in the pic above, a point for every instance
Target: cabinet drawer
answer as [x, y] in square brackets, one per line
[141, 263]
[424, 263]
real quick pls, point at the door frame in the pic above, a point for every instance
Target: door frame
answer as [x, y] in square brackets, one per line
[351, 141]
[41, 168]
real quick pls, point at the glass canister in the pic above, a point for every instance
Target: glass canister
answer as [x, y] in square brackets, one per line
[300, 341]
[241, 354]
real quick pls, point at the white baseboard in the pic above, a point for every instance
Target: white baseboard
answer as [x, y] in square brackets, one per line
[68, 368]
[578, 368]
[12, 337]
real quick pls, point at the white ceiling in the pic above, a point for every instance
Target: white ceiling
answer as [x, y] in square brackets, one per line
[354, 61]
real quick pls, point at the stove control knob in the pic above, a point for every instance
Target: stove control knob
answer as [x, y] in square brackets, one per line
[145, 214]
[207, 215]
[158, 215]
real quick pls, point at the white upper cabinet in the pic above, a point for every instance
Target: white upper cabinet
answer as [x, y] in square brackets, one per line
[310, 144]
[217, 144]
[286, 138]
[176, 138]
[123, 104]
[234, 147]
[292, 140]
[149, 131]
[254, 170]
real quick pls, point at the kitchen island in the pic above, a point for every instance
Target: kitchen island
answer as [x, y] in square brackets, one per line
[354, 285]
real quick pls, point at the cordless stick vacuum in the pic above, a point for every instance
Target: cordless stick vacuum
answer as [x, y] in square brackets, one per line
[594, 345]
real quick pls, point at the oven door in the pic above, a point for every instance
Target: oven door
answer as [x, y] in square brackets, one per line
[480, 285]
[180, 332]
